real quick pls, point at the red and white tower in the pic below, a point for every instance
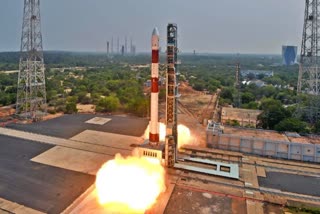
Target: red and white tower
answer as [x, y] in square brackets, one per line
[154, 120]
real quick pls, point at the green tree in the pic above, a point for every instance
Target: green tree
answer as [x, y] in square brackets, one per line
[247, 97]
[226, 93]
[317, 127]
[108, 104]
[273, 113]
[251, 105]
[71, 107]
[139, 106]
[291, 124]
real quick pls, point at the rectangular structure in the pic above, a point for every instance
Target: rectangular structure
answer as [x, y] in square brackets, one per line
[289, 55]
[245, 117]
[210, 167]
[264, 147]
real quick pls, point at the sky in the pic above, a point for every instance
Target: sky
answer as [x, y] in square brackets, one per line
[206, 26]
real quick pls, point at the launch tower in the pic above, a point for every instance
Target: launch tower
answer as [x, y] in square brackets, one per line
[171, 96]
[31, 93]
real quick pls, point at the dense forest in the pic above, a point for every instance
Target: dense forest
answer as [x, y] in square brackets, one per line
[116, 84]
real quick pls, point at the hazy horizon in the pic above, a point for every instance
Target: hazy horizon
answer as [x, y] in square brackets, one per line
[212, 26]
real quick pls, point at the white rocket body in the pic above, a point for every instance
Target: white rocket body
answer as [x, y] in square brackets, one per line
[154, 119]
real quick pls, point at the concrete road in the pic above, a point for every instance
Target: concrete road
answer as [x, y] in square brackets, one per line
[68, 126]
[40, 187]
[300, 184]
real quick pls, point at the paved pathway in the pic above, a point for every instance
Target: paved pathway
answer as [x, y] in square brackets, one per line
[64, 142]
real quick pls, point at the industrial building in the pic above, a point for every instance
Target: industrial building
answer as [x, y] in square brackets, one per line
[255, 73]
[264, 143]
[289, 55]
[245, 117]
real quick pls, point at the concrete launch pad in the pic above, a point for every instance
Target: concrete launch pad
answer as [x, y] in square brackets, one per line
[116, 141]
[41, 168]
[41, 187]
[68, 126]
[72, 159]
[64, 164]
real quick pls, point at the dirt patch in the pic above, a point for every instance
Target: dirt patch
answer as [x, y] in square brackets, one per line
[89, 108]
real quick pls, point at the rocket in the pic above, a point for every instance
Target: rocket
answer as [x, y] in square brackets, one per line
[154, 120]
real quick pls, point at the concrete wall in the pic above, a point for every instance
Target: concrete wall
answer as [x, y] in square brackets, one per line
[264, 147]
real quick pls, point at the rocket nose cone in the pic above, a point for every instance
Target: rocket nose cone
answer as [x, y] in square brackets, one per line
[155, 32]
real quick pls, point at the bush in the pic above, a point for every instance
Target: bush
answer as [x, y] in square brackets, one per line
[108, 104]
[71, 108]
[291, 124]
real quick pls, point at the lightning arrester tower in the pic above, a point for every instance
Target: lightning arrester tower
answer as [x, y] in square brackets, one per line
[31, 93]
[309, 71]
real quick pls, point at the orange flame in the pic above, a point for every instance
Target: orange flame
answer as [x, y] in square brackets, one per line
[130, 185]
[162, 132]
[184, 134]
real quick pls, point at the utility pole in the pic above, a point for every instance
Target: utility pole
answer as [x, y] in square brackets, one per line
[31, 93]
[309, 71]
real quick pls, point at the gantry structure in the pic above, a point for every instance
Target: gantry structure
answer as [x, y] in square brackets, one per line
[172, 95]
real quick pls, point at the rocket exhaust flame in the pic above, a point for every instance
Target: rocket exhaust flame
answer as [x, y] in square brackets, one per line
[184, 134]
[130, 185]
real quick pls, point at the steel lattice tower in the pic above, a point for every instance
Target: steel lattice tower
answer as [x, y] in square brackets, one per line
[31, 93]
[309, 72]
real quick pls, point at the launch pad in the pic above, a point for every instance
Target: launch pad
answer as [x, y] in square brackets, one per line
[186, 189]
[167, 152]
[155, 152]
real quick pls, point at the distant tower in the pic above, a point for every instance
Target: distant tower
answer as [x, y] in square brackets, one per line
[134, 50]
[112, 45]
[309, 71]
[122, 50]
[131, 47]
[108, 48]
[238, 84]
[118, 46]
[125, 45]
[31, 93]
